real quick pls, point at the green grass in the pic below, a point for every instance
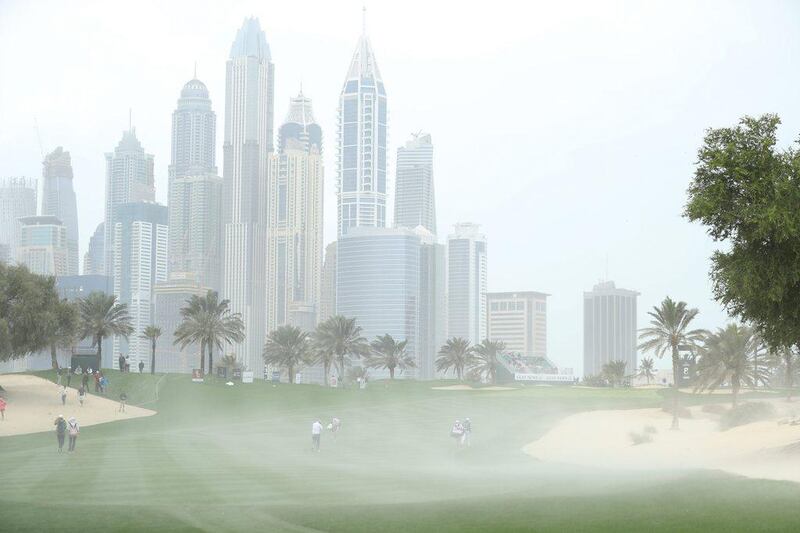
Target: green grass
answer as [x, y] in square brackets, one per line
[219, 458]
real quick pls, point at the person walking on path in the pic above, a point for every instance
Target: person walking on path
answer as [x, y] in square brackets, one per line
[457, 432]
[81, 395]
[335, 426]
[58, 375]
[69, 376]
[61, 430]
[85, 379]
[141, 366]
[63, 396]
[97, 381]
[466, 439]
[73, 428]
[316, 433]
[122, 399]
[103, 384]
[2, 408]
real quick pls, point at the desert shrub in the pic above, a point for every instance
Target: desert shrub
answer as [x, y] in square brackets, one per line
[683, 412]
[746, 413]
[595, 381]
[650, 429]
[714, 409]
[640, 438]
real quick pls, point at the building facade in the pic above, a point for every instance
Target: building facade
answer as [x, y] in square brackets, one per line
[169, 298]
[414, 201]
[361, 143]
[17, 200]
[42, 246]
[249, 98]
[94, 258]
[195, 189]
[74, 288]
[609, 328]
[327, 306]
[58, 200]
[129, 178]
[466, 283]
[519, 319]
[378, 274]
[294, 254]
[139, 263]
[432, 329]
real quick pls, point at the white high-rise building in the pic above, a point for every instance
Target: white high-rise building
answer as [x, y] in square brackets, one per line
[43, 246]
[361, 143]
[466, 283]
[294, 254]
[168, 300]
[609, 328]
[94, 258]
[414, 201]
[195, 189]
[58, 200]
[129, 178]
[17, 200]
[327, 306]
[139, 262]
[432, 312]
[519, 319]
[249, 97]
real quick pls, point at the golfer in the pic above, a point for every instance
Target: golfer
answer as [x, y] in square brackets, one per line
[73, 429]
[123, 398]
[316, 432]
[467, 425]
[61, 430]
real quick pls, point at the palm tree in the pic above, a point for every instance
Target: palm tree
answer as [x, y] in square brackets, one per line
[727, 357]
[614, 372]
[485, 359]
[341, 337]
[61, 324]
[390, 354]
[152, 333]
[287, 347]
[646, 368]
[208, 322]
[322, 356]
[669, 330]
[456, 354]
[101, 317]
[785, 361]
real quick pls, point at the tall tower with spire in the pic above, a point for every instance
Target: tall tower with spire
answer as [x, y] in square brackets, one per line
[249, 99]
[361, 143]
[294, 257]
[195, 189]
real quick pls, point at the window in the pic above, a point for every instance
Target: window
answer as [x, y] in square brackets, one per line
[349, 180]
[351, 87]
[350, 134]
[349, 110]
[349, 157]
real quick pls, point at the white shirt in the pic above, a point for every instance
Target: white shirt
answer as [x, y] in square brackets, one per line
[316, 428]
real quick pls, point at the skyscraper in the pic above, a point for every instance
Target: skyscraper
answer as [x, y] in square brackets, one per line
[94, 258]
[129, 178]
[466, 283]
[195, 190]
[58, 200]
[361, 149]
[42, 245]
[294, 254]
[378, 275]
[432, 313]
[139, 262]
[327, 306]
[519, 319]
[168, 300]
[609, 328]
[414, 202]
[249, 97]
[17, 199]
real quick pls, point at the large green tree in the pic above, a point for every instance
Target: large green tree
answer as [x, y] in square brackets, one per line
[208, 322]
[389, 354]
[287, 347]
[746, 192]
[727, 356]
[29, 312]
[668, 331]
[102, 316]
[341, 337]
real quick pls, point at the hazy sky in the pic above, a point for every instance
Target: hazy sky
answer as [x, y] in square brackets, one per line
[567, 129]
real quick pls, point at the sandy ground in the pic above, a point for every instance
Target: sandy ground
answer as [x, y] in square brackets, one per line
[602, 439]
[34, 403]
[467, 387]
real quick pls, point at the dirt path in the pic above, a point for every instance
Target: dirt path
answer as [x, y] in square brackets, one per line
[34, 403]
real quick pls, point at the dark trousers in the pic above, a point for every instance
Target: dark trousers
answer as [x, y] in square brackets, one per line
[315, 442]
[72, 439]
[60, 440]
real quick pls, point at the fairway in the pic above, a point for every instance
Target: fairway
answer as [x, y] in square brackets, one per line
[219, 458]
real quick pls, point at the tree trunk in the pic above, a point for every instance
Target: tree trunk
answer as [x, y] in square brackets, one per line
[53, 357]
[391, 372]
[735, 391]
[341, 370]
[789, 375]
[326, 368]
[210, 359]
[202, 358]
[675, 378]
[153, 359]
[99, 353]
[291, 375]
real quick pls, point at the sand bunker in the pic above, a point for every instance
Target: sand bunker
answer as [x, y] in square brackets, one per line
[603, 439]
[33, 404]
[467, 387]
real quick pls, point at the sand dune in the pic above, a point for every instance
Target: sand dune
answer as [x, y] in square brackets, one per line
[602, 439]
[34, 403]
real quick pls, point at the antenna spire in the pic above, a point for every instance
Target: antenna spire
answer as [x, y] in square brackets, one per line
[364, 20]
[195, 70]
[130, 119]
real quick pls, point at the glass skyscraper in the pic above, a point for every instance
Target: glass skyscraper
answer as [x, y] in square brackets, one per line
[361, 143]
[414, 201]
[466, 283]
[58, 200]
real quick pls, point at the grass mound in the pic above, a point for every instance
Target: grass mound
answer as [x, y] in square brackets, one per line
[746, 413]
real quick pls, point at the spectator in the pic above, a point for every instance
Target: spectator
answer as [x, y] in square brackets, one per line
[141, 366]
[63, 396]
[123, 398]
[2, 408]
[73, 429]
[61, 430]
